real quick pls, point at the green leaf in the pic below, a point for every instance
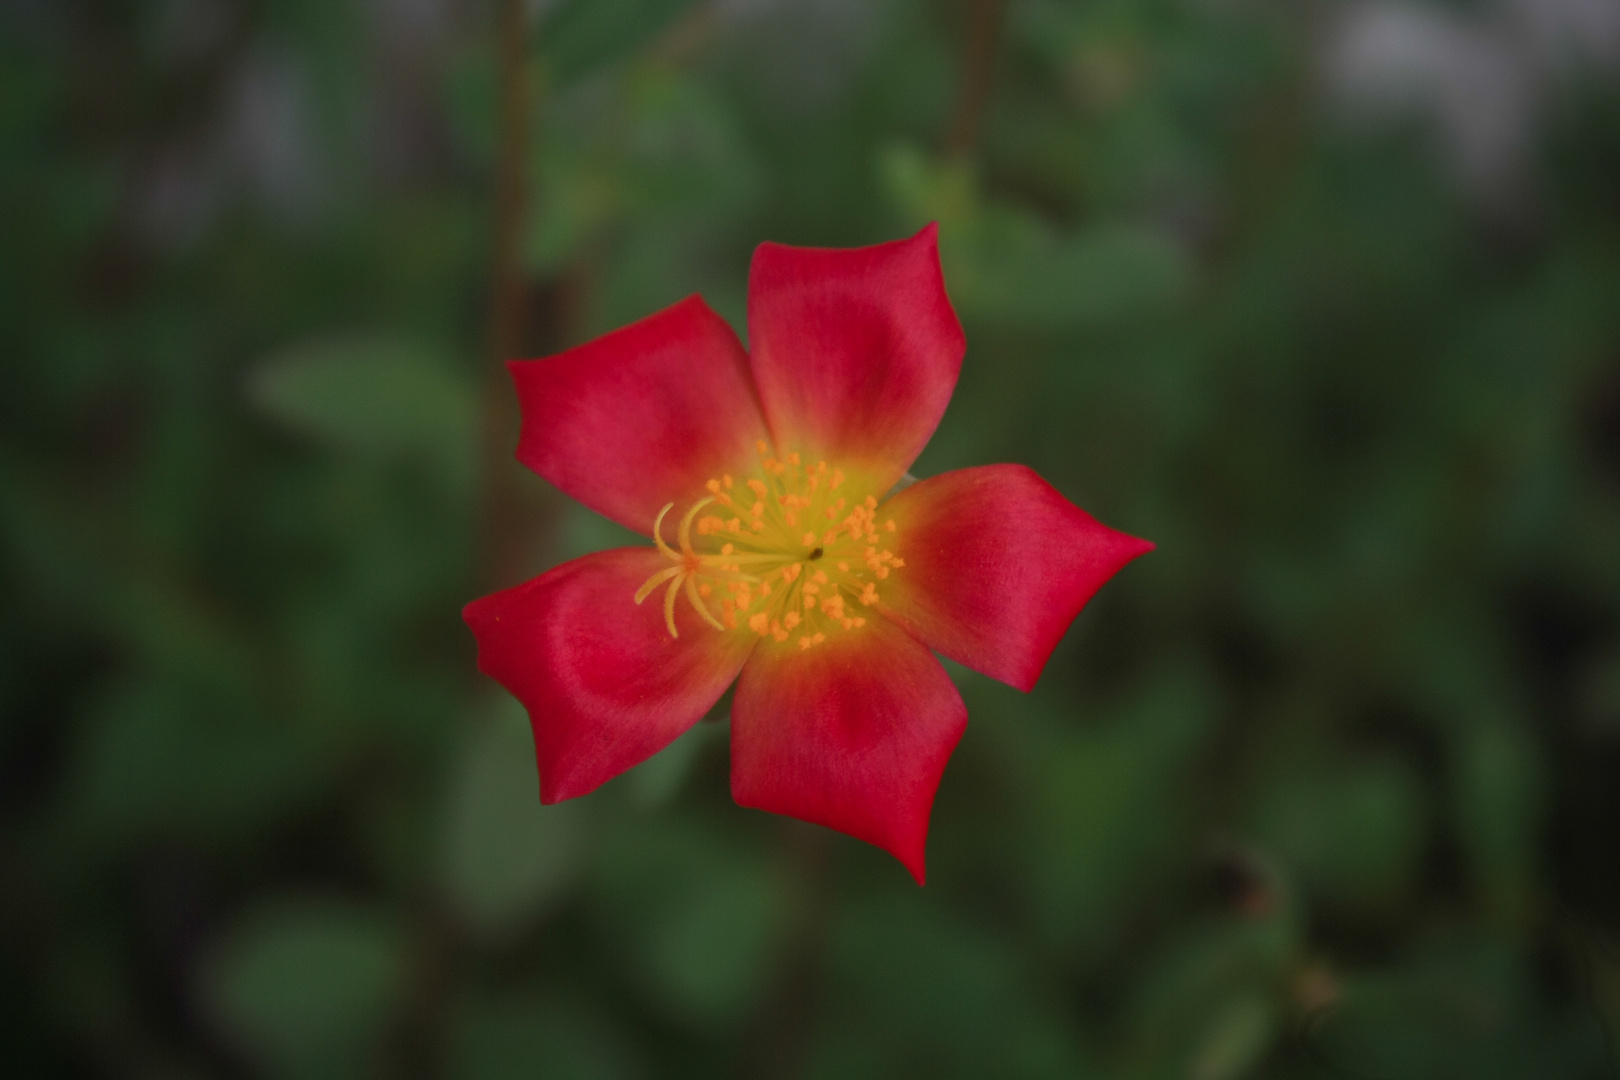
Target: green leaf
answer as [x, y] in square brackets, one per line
[515, 1037]
[699, 919]
[1352, 832]
[507, 858]
[308, 987]
[1498, 796]
[583, 35]
[1238, 1036]
[380, 396]
[154, 762]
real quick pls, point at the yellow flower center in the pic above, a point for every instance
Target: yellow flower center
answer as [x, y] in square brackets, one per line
[785, 554]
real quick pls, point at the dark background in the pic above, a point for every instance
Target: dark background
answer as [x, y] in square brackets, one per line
[1323, 298]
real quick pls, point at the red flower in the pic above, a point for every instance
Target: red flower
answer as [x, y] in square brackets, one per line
[781, 560]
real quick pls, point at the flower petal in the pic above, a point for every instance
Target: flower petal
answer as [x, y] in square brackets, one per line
[605, 685]
[997, 565]
[855, 351]
[642, 416]
[852, 734]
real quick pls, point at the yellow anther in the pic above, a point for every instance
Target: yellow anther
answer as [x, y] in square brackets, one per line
[759, 444]
[795, 591]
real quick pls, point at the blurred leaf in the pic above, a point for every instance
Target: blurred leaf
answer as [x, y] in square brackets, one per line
[1352, 832]
[927, 992]
[511, 1038]
[1005, 265]
[583, 531]
[388, 397]
[1205, 1002]
[1455, 1010]
[583, 35]
[699, 918]
[507, 858]
[1093, 822]
[1239, 1035]
[1498, 800]
[154, 762]
[656, 781]
[307, 987]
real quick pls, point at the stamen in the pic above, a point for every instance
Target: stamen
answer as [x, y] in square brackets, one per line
[798, 594]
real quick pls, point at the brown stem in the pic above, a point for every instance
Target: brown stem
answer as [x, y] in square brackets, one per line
[417, 1053]
[502, 522]
[983, 40]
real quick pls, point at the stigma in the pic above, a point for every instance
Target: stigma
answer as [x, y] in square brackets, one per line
[788, 554]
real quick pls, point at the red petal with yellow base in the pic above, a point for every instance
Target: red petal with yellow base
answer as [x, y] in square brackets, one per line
[643, 416]
[997, 565]
[852, 734]
[855, 351]
[605, 685]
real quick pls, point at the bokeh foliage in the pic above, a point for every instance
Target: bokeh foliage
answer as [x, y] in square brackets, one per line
[1327, 786]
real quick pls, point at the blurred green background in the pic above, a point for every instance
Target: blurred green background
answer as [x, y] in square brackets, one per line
[1323, 298]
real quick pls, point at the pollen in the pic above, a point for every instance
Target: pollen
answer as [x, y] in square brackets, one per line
[757, 570]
